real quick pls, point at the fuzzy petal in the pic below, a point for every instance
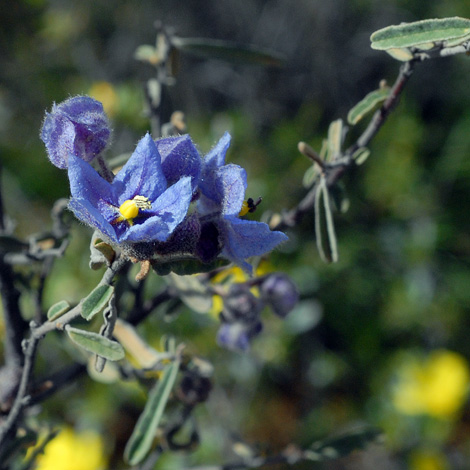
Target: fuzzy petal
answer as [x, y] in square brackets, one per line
[168, 211]
[223, 190]
[245, 238]
[91, 216]
[179, 158]
[231, 183]
[87, 184]
[142, 175]
[77, 126]
[216, 157]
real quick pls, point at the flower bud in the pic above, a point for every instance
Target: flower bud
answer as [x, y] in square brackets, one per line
[280, 293]
[241, 305]
[77, 126]
[237, 336]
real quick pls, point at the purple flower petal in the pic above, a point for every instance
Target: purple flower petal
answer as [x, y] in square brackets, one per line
[223, 190]
[77, 126]
[142, 174]
[87, 184]
[245, 238]
[179, 158]
[91, 216]
[168, 212]
[216, 157]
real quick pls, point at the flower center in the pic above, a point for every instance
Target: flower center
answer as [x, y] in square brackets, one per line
[130, 209]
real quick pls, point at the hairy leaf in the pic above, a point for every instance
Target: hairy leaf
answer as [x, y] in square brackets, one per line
[420, 32]
[335, 139]
[361, 155]
[343, 445]
[57, 310]
[227, 51]
[95, 343]
[143, 435]
[96, 301]
[367, 104]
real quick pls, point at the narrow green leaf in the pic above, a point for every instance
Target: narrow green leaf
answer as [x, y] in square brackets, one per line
[310, 176]
[147, 53]
[420, 32]
[318, 224]
[227, 51]
[330, 226]
[343, 445]
[96, 301]
[143, 435]
[57, 310]
[95, 343]
[335, 138]
[367, 104]
[361, 155]
[457, 41]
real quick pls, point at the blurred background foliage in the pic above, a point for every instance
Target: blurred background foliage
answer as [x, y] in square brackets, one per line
[380, 337]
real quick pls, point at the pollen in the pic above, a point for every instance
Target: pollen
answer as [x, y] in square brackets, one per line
[245, 209]
[130, 209]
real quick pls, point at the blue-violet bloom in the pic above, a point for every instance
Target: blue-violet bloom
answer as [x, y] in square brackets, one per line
[137, 206]
[222, 194]
[179, 158]
[78, 126]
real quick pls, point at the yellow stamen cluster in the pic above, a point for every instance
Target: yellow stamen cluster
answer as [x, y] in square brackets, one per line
[129, 209]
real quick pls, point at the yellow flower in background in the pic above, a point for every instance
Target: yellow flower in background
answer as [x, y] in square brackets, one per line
[70, 450]
[105, 92]
[424, 459]
[436, 386]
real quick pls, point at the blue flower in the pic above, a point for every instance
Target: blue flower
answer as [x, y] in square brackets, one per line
[179, 158]
[237, 336]
[138, 206]
[222, 190]
[77, 126]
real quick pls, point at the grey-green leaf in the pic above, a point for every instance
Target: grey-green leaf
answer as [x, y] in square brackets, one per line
[143, 435]
[146, 53]
[57, 310]
[420, 32]
[343, 445]
[96, 344]
[96, 301]
[227, 51]
[367, 104]
[335, 139]
[361, 155]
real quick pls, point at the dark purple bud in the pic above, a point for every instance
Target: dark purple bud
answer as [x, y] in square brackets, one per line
[237, 336]
[280, 293]
[194, 389]
[241, 305]
[77, 126]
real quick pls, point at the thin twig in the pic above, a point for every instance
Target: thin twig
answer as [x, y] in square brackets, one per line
[21, 399]
[333, 172]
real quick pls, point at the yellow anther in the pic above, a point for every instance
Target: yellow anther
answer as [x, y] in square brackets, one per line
[244, 210]
[129, 209]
